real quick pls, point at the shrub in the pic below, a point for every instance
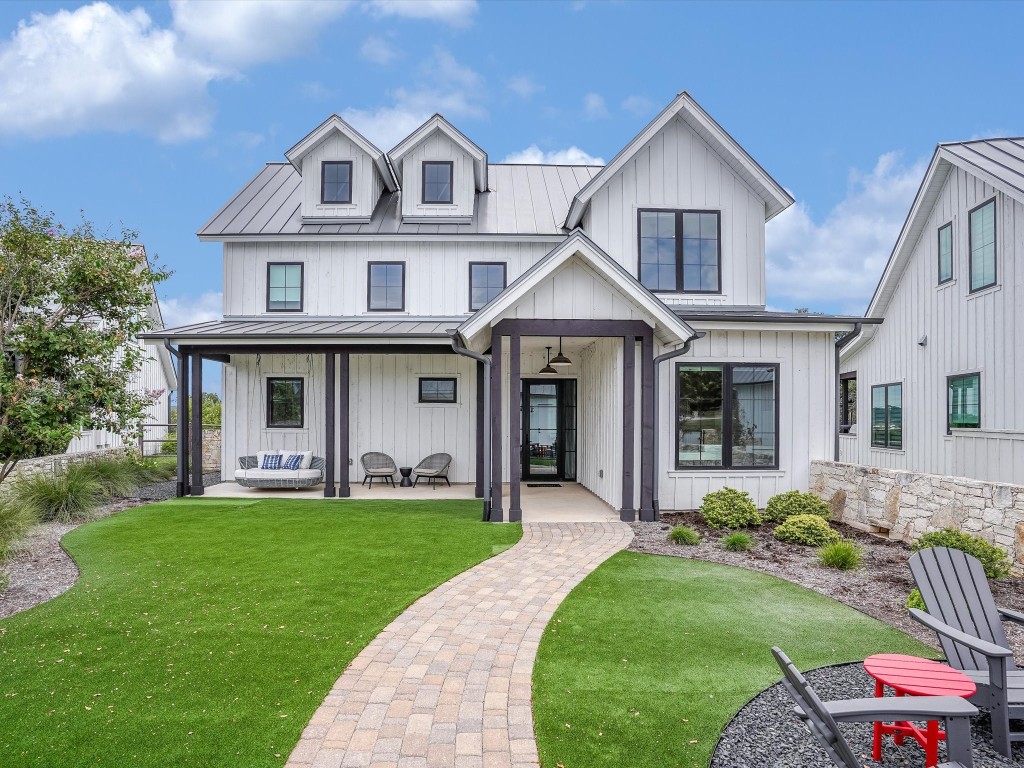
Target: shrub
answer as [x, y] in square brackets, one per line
[993, 559]
[737, 542]
[810, 530]
[119, 476]
[71, 493]
[914, 600]
[729, 508]
[783, 506]
[684, 534]
[843, 555]
[14, 521]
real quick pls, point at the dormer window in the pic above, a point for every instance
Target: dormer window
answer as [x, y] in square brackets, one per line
[336, 182]
[437, 182]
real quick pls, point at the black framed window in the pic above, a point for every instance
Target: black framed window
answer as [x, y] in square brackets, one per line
[887, 416]
[680, 251]
[438, 390]
[285, 403]
[847, 401]
[982, 235]
[336, 181]
[945, 253]
[486, 280]
[284, 286]
[437, 181]
[727, 416]
[963, 402]
[385, 288]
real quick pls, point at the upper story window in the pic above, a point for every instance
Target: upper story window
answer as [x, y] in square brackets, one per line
[285, 403]
[945, 253]
[284, 287]
[982, 234]
[385, 287]
[963, 402]
[336, 182]
[887, 416]
[437, 181]
[680, 251]
[486, 280]
[847, 401]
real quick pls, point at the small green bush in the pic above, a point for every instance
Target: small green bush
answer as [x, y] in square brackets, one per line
[684, 534]
[729, 508]
[737, 542]
[914, 600]
[119, 476]
[71, 493]
[843, 555]
[810, 530]
[783, 506]
[14, 521]
[993, 559]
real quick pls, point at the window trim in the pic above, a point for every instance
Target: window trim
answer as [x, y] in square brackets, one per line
[952, 270]
[504, 278]
[302, 284]
[369, 271]
[680, 287]
[455, 390]
[323, 181]
[727, 416]
[844, 409]
[995, 245]
[451, 182]
[949, 380]
[270, 402]
[871, 426]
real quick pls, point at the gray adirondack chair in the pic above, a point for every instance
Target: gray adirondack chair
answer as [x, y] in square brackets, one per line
[821, 717]
[962, 611]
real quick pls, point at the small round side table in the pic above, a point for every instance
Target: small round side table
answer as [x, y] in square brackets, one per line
[406, 482]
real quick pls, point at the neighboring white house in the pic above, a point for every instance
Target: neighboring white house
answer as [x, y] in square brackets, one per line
[348, 269]
[938, 384]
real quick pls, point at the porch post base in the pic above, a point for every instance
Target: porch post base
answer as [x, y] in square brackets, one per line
[197, 490]
[627, 515]
[497, 514]
[329, 492]
[515, 515]
[647, 515]
[345, 492]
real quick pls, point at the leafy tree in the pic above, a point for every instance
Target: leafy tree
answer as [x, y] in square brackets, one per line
[71, 305]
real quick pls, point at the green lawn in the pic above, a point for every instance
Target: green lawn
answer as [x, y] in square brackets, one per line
[205, 633]
[648, 658]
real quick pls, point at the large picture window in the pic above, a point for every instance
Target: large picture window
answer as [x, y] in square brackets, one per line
[983, 245]
[386, 286]
[887, 416]
[486, 280]
[727, 416]
[963, 402]
[946, 253]
[285, 403]
[847, 401]
[680, 251]
[336, 182]
[284, 287]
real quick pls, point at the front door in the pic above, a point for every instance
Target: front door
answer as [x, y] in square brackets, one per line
[549, 429]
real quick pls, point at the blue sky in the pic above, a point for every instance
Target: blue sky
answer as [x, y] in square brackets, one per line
[153, 114]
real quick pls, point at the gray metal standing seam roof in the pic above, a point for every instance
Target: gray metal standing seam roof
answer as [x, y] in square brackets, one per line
[522, 200]
[354, 328]
[1002, 158]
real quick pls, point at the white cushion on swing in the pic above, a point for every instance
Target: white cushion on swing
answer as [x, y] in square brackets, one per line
[277, 474]
[307, 458]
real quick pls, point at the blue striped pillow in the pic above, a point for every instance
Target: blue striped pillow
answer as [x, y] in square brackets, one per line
[271, 461]
[293, 461]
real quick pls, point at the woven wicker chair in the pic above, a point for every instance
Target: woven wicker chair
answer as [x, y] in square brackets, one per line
[434, 467]
[378, 465]
[284, 478]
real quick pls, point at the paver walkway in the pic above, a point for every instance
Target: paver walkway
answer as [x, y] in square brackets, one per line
[447, 684]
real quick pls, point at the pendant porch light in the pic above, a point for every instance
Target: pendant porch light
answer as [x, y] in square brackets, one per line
[560, 359]
[547, 370]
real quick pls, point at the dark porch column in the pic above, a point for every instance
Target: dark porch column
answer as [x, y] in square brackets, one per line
[329, 421]
[497, 514]
[344, 491]
[647, 427]
[196, 433]
[628, 513]
[481, 430]
[515, 433]
[181, 485]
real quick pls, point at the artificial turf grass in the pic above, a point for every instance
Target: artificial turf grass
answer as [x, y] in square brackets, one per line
[206, 633]
[647, 659]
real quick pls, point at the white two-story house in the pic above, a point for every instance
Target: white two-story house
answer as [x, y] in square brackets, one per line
[598, 325]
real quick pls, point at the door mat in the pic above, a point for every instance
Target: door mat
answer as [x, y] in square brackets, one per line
[543, 485]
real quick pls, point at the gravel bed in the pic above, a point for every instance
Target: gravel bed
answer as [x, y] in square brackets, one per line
[165, 490]
[879, 587]
[766, 733]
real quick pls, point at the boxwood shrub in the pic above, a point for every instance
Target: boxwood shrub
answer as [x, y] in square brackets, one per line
[783, 506]
[809, 530]
[729, 508]
[993, 559]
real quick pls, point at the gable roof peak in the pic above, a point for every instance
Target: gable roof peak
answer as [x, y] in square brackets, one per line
[438, 122]
[336, 124]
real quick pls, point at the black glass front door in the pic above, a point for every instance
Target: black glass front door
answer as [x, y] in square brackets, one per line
[549, 429]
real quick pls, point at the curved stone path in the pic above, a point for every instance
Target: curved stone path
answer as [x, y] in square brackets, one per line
[448, 683]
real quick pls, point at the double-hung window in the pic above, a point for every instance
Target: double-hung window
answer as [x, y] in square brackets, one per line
[486, 280]
[285, 403]
[437, 182]
[982, 234]
[284, 287]
[887, 416]
[945, 253]
[336, 182]
[386, 286]
[963, 402]
[680, 251]
[727, 416]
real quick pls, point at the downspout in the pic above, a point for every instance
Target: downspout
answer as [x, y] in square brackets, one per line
[459, 349]
[181, 433]
[657, 405]
[839, 386]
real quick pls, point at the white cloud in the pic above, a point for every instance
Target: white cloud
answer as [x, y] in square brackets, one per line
[594, 106]
[840, 260]
[534, 155]
[523, 86]
[457, 13]
[185, 310]
[377, 50]
[637, 105]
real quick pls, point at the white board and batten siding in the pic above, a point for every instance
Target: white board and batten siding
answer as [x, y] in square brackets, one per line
[367, 185]
[438, 147]
[678, 170]
[967, 333]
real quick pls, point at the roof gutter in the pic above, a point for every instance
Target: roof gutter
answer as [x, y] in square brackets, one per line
[847, 339]
[459, 347]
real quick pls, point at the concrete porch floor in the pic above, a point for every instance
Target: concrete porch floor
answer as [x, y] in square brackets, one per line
[571, 503]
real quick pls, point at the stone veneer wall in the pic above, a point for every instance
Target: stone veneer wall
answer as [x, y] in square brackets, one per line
[903, 505]
[47, 464]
